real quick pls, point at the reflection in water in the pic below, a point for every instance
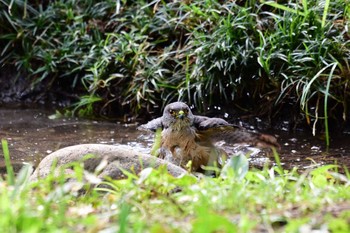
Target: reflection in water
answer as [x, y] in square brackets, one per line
[31, 135]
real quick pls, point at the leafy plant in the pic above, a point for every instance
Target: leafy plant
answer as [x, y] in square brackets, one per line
[153, 200]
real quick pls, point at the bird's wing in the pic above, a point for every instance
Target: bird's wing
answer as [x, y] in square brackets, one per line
[152, 125]
[217, 129]
[204, 123]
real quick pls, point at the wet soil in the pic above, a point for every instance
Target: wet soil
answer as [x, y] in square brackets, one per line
[32, 134]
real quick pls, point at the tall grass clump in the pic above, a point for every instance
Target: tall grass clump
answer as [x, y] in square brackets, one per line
[121, 56]
[308, 55]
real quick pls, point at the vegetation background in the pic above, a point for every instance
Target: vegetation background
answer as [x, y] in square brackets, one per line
[286, 59]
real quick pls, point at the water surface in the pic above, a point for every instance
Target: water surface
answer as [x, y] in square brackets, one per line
[32, 135]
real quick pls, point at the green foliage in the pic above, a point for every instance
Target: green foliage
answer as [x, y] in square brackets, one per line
[154, 201]
[237, 165]
[132, 56]
[209, 222]
[315, 54]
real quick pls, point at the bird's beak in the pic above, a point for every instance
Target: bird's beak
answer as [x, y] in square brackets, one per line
[181, 114]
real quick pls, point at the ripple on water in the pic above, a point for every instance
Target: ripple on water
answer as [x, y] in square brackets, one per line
[32, 135]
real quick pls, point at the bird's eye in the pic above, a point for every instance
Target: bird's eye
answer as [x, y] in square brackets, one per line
[185, 110]
[172, 112]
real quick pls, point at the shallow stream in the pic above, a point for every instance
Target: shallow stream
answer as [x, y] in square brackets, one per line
[32, 135]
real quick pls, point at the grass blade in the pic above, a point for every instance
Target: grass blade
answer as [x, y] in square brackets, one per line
[325, 11]
[326, 103]
[285, 8]
[9, 168]
[279, 168]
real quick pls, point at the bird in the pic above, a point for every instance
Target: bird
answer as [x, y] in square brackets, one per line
[188, 139]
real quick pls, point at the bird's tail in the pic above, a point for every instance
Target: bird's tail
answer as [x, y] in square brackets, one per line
[233, 135]
[265, 140]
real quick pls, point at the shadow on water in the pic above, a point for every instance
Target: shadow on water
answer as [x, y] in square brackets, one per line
[31, 135]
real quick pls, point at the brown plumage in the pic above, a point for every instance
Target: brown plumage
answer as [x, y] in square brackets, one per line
[186, 137]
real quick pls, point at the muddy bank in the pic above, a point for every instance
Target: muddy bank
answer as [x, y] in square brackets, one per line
[18, 89]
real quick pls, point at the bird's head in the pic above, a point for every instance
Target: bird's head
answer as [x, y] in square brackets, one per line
[177, 115]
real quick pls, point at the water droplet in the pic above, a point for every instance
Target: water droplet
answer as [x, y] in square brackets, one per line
[293, 139]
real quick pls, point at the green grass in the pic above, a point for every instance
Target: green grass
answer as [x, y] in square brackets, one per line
[272, 199]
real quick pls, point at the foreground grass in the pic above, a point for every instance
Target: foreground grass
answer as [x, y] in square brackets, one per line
[268, 200]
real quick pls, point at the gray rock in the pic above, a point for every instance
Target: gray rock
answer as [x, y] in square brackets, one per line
[115, 158]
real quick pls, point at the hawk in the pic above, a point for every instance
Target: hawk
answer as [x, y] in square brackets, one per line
[186, 137]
